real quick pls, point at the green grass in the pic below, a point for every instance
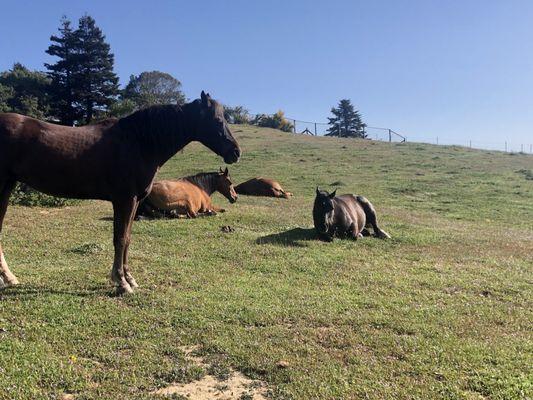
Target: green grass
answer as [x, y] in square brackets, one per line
[442, 311]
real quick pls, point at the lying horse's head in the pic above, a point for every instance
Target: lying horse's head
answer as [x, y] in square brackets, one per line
[212, 129]
[225, 186]
[323, 209]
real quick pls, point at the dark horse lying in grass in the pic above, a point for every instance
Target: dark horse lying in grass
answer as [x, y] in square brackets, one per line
[345, 215]
[189, 196]
[115, 160]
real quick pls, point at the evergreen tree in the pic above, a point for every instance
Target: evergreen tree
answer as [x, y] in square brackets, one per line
[63, 74]
[153, 87]
[83, 81]
[346, 121]
[5, 94]
[96, 84]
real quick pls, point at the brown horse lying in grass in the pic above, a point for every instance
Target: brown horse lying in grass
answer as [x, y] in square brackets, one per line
[346, 215]
[262, 187]
[189, 196]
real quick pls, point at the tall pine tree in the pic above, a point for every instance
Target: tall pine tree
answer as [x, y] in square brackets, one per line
[83, 82]
[346, 121]
[97, 85]
[63, 74]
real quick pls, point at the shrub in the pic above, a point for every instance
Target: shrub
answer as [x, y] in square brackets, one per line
[276, 121]
[23, 195]
[236, 115]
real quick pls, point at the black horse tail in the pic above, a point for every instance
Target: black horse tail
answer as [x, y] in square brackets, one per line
[144, 209]
[371, 217]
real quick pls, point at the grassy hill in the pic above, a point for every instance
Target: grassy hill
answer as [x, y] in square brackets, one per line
[442, 310]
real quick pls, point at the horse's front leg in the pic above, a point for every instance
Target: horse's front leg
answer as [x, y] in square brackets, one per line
[6, 276]
[129, 277]
[123, 212]
[353, 231]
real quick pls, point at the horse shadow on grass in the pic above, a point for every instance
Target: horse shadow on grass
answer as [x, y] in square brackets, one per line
[293, 237]
[28, 291]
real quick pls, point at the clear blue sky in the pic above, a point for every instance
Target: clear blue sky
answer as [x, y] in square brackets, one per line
[455, 69]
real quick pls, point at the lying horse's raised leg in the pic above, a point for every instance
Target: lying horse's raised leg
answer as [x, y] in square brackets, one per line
[123, 212]
[353, 233]
[129, 277]
[371, 217]
[6, 276]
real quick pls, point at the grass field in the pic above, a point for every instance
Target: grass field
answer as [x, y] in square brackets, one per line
[443, 310]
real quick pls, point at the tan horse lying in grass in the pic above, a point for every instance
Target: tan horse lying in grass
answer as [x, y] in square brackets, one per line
[262, 187]
[189, 196]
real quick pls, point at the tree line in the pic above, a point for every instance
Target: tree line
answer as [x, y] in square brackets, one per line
[81, 87]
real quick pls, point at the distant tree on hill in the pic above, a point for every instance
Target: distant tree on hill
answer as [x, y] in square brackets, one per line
[346, 121]
[83, 82]
[153, 87]
[24, 92]
[276, 121]
[237, 115]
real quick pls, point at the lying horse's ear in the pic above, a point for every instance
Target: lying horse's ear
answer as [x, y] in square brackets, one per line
[317, 190]
[332, 195]
[226, 172]
[220, 170]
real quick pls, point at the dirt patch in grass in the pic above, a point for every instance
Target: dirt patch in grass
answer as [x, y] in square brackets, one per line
[228, 386]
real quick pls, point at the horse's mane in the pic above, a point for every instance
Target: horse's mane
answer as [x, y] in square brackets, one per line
[204, 180]
[155, 127]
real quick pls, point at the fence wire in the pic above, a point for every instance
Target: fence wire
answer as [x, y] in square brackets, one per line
[314, 128]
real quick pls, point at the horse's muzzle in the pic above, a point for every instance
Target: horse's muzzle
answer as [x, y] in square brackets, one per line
[233, 156]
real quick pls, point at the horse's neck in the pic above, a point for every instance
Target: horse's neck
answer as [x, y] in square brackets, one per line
[165, 135]
[205, 182]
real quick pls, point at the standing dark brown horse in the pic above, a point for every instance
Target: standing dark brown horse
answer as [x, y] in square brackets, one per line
[115, 160]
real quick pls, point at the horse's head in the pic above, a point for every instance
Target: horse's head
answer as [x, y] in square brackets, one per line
[323, 209]
[211, 129]
[225, 186]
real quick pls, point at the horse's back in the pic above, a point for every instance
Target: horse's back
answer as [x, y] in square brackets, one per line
[258, 186]
[349, 205]
[55, 159]
[167, 194]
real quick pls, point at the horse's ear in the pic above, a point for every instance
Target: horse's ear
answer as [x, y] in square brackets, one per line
[205, 98]
[226, 172]
[220, 170]
[332, 195]
[317, 190]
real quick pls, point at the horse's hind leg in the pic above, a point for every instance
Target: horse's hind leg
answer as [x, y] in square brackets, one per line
[371, 217]
[6, 276]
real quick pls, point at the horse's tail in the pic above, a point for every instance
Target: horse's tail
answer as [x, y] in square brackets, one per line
[371, 217]
[144, 209]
